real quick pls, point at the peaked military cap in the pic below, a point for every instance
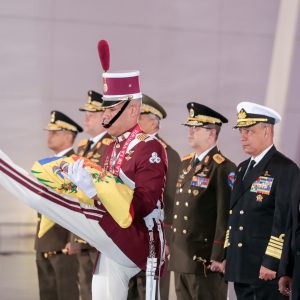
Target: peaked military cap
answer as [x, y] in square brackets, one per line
[249, 114]
[94, 102]
[60, 121]
[201, 115]
[150, 106]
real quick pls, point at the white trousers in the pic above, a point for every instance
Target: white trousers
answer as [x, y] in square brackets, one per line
[110, 280]
[115, 268]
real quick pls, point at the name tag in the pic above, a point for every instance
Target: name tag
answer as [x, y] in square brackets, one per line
[200, 181]
[262, 185]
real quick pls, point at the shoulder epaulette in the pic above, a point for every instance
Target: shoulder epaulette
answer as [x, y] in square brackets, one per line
[142, 136]
[163, 143]
[218, 158]
[107, 141]
[188, 156]
[82, 143]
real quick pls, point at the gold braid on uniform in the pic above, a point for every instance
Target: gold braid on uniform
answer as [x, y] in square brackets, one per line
[226, 243]
[275, 246]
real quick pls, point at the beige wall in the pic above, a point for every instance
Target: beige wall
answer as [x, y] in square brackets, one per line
[217, 52]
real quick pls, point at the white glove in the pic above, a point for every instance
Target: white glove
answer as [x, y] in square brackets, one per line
[80, 177]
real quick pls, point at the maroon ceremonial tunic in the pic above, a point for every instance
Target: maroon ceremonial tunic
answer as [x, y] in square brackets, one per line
[144, 167]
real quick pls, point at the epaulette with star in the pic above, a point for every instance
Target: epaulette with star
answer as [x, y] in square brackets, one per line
[83, 143]
[107, 141]
[218, 158]
[189, 156]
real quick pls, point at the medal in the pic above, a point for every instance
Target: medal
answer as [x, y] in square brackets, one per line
[195, 192]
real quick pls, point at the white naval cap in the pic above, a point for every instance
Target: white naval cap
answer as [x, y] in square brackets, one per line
[250, 113]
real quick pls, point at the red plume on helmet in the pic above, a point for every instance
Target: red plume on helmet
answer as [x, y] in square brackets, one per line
[103, 50]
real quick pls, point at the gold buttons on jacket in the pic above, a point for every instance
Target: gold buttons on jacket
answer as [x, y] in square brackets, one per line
[186, 204]
[185, 218]
[184, 231]
[230, 212]
[177, 202]
[241, 228]
[230, 227]
[205, 240]
[189, 191]
[175, 216]
[240, 245]
[180, 190]
[241, 212]
[174, 229]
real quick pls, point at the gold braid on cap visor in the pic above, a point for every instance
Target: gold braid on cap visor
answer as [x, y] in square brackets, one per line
[149, 109]
[204, 119]
[93, 106]
[250, 121]
[61, 125]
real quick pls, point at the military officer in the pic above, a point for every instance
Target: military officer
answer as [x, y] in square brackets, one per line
[261, 196]
[137, 160]
[289, 269]
[151, 115]
[93, 149]
[201, 209]
[57, 271]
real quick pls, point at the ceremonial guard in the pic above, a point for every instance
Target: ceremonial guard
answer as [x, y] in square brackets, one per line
[92, 149]
[201, 209]
[123, 222]
[261, 196]
[57, 271]
[151, 115]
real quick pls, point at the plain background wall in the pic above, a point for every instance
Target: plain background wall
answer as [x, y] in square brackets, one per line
[217, 52]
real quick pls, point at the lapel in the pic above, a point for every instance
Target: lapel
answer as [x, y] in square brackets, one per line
[200, 166]
[241, 186]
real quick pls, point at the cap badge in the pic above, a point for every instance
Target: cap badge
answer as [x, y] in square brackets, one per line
[192, 113]
[52, 117]
[242, 114]
[105, 87]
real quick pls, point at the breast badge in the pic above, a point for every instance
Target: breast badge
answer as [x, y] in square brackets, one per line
[259, 198]
[195, 192]
[129, 154]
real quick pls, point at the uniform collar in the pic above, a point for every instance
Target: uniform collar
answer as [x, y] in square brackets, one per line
[63, 152]
[97, 138]
[259, 157]
[203, 154]
[123, 137]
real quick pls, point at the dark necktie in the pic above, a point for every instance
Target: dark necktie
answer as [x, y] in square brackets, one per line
[250, 167]
[195, 162]
[88, 147]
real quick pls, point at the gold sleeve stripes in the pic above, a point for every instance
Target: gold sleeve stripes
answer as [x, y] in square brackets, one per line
[275, 246]
[226, 243]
